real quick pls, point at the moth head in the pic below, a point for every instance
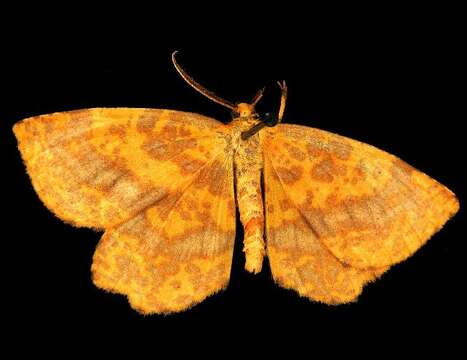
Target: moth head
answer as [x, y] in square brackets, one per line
[238, 110]
[245, 110]
[242, 110]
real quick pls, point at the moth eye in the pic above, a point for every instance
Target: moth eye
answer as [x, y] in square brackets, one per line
[270, 119]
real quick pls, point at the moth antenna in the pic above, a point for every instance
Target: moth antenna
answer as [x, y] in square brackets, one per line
[283, 87]
[258, 96]
[210, 95]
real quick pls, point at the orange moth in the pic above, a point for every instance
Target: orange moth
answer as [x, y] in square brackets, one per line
[330, 213]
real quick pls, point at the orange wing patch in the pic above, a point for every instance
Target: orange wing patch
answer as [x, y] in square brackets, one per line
[298, 258]
[369, 208]
[99, 167]
[177, 252]
[159, 182]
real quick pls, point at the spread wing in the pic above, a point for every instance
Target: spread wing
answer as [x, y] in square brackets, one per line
[340, 212]
[175, 253]
[159, 182]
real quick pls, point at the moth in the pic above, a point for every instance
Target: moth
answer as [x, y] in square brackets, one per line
[330, 213]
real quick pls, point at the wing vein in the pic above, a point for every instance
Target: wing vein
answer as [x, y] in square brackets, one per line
[188, 186]
[299, 211]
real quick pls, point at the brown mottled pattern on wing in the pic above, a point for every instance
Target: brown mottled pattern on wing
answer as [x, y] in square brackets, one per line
[369, 208]
[298, 259]
[99, 167]
[177, 252]
[159, 182]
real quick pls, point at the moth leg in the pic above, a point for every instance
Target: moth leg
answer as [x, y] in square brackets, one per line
[269, 119]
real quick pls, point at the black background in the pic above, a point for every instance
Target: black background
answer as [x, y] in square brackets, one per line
[390, 79]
